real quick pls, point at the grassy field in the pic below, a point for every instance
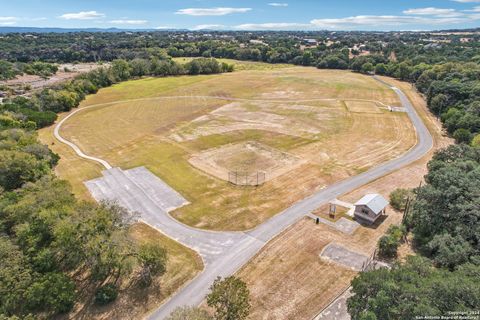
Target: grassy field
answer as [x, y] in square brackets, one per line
[289, 280]
[134, 301]
[335, 138]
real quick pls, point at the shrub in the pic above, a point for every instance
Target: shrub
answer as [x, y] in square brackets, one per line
[106, 294]
[398, 198]
[388, 244]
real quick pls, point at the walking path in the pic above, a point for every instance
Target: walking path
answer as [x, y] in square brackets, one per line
[238, 248]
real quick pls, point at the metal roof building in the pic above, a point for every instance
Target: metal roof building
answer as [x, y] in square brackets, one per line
[370, 207]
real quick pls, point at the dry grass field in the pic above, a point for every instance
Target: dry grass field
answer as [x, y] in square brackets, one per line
[318, 126]
[289, 280]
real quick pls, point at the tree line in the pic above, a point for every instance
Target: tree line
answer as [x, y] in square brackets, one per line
[445, 223]
[52, 245]
[9, 70]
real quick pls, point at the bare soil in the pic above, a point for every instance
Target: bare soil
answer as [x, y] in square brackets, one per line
[247, 157]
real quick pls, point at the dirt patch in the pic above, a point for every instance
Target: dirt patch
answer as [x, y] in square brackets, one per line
[285, 118]
[249, 157]
[65, 72]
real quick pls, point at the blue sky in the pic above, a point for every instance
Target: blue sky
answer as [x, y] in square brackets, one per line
[244, 15]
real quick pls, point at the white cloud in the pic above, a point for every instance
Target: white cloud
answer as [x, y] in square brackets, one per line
[220, 11]
[134, 22]
[83, 15]
[431, 11]
[376, 21]
[273, 26]
[391, 22]
[278, 4]
[8, 21]
[208, 27]
[475, 9]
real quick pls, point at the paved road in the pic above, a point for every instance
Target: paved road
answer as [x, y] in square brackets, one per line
[246, 244]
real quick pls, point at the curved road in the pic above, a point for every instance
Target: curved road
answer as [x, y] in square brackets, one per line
[236, 249]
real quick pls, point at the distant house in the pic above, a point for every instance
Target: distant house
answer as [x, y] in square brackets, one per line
[312, 42]
[370, 207]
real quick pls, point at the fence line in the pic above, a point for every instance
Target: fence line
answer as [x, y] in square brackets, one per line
[243, 178]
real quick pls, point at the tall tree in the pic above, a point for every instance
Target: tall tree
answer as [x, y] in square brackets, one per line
[230, 298]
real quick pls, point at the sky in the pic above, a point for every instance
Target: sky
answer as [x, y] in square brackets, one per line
[381, 15]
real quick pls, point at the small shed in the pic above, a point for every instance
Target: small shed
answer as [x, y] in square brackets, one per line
[370, 207]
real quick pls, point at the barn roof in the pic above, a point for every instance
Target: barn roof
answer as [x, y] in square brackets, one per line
[374, 201]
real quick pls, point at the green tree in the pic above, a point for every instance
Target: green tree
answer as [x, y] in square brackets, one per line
[15, 278]
[153, 261]
[367, 68]
[462, 135]
[121, 70]
[16, 168]
[414, 289]
[448, 203]
[230, 298]
[53, 291]
[388, 244]
[476, 141]
[381, 69]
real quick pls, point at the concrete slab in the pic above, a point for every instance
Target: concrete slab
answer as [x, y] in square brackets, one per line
[343, 225]
[343, 256]
[146, 195]
[346, 226]
[123, 186]
[337, 310]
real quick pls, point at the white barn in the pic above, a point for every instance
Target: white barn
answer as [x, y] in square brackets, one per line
[370, 207]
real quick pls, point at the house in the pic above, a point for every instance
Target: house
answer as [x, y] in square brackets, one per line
[370, 207]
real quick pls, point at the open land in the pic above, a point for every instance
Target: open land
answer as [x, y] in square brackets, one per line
[310, 127]
[252, 147]
[288, 278]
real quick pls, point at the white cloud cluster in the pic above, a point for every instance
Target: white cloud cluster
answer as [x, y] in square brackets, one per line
[8, 21]
[208, 27]
[433, 11]
[220, 11]
[274, 26]
[429, 16]
[82, 15]
[278, 4]
[130, 22]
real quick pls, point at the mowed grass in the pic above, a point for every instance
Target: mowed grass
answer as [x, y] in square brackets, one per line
[133, 133]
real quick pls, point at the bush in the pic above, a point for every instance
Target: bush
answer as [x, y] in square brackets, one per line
[462, 135]
[388, 244]
[106, 294]
[398, 198]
